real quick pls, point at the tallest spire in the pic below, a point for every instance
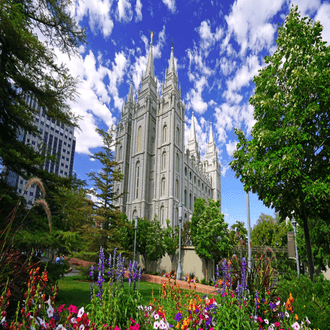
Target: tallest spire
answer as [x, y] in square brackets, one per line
[192, 136]
[150, 63]
[171, 67]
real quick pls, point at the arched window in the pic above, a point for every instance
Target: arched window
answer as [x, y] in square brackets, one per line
[176, 217]
[164, 133]
[185, 217]
[194, 200]
[177, 163]
[177, 135]
[120, 153]
[137, 179]
[185, 198]
[202, 186]
[176, 189]
[134, 214]
[190, 206]
[163, 187]
[162, 216]
[190, 175]
[139, 142]
[164, 160]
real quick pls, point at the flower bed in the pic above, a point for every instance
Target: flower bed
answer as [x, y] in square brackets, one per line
[113, 309]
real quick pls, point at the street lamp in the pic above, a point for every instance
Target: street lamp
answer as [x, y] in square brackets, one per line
[179, 271]
[135, 228]
[294, 223]
[249, 231]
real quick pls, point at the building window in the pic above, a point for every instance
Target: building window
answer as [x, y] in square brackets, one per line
[199, 183]
[185, 171]
[185, 198]
[194, 200]
[120, 152]
[177, 163]
[162, 216]
[31, 193]
[190, 206]
[176, 216]
[190, 175]
[164, 160]
[176, 189]
[164, 133]
[177, 135]
[134, 214]
[137, 180]
[195, 179]
[185, 217]
[163, 187]
[139, 142]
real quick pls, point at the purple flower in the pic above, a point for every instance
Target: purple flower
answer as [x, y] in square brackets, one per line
[178, 317]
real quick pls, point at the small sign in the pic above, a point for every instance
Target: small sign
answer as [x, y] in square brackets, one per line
[291, 250]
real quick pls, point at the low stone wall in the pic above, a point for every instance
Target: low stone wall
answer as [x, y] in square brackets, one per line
[180, 284]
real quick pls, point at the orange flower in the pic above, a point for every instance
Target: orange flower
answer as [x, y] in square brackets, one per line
[291, 298]
[296, 317]
[199, 299]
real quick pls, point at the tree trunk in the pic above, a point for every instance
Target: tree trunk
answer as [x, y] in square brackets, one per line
[308, 247]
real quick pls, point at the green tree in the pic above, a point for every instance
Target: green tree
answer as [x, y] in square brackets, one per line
[287, 161]
[211, 235]
[238, 234]
[199, 208]
[270, 232]
[171, 240]
[28, 67]
[105, 223]
[186, 239]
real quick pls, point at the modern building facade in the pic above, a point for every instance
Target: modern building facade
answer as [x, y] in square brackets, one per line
[160, 171]
[57, 139]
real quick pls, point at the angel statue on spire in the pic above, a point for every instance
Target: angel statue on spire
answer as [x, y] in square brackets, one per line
[151, 35]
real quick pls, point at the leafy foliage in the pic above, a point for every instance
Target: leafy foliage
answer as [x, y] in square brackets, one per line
[171, 240]
[287, 161]
[210, 234]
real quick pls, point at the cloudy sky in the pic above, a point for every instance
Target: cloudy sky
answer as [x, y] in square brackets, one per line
[219, 46]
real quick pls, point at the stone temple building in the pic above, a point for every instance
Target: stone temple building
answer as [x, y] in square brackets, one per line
[160, 171]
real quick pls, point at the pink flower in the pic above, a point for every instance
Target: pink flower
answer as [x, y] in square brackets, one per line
[60, 309]
[232, 295]
[260, 319]
[73, 309]
[295, 326]
[116, 328]
[307, 320]
[277, 324]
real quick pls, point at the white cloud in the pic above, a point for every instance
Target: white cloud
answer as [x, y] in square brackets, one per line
[306, 7]
[231, 147]
[194, 96]
[227, 66]
[138, 10]
[124, 11]
[323, 15]
[208, 38]
[249, 24]
[98, 13]
[224, 170]
[170, 4]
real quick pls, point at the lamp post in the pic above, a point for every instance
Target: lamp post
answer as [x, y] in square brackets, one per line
[179, 271]
[135, 228]
[249, 231]
[294, 223]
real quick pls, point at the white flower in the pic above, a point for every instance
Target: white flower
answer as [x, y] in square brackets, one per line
[50, 311]
[82, 327]
[60, 327]
[140, 307]
[81, 312]
[149, 308]
[307, 320]
[73, 320]
[277, 303]
[156, 325]
[287, 314]
[156, 316]
[162, 324]
[3, 320]
[295, 326]
[48, 302]
[266, 321]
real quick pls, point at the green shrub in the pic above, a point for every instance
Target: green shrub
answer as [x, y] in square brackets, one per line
[311, 298]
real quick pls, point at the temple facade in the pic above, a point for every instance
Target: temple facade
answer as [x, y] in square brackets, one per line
[160, 171]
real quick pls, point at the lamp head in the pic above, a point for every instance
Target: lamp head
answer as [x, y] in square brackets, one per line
[180, 211]
[136, 221]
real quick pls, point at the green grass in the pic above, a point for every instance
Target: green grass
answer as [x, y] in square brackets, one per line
[73, 291]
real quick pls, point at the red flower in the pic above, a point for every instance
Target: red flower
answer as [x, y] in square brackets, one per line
[73, 309]
[60, 309]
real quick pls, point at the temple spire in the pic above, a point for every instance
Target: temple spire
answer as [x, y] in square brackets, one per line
[171, 67]
[150, 63]
[211, 139]
[130, 93]
[192, 128]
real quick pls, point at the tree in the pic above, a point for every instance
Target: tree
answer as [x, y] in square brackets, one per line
[287, 161]
[238, 234]
[27, 68]
[171, 240]
[211, 233]
[270, 232]
[105, 223]
[199, 208]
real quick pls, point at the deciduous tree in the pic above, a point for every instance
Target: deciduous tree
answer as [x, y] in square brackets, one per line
[287, 160]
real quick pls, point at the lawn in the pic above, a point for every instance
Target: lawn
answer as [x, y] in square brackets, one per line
[73, 290]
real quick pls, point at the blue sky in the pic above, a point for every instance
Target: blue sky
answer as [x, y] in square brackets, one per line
[219, 46]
